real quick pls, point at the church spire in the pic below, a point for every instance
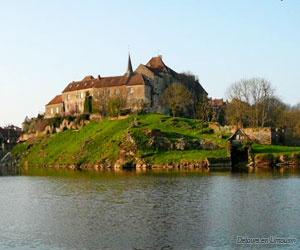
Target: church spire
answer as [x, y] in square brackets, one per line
[129, 67]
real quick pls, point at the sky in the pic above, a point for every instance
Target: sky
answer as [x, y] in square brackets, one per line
[44, 45]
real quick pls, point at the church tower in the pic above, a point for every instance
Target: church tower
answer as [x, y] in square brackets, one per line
[129, 67]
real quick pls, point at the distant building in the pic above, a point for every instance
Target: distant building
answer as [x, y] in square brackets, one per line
[139, 88]
[9, 137]
[218, 110]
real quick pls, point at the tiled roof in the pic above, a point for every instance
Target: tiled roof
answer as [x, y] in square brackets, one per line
[157, 63]
[56, 100]
[217, 102]
[112, 81]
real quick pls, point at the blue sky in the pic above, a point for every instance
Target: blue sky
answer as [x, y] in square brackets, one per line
[44, 45]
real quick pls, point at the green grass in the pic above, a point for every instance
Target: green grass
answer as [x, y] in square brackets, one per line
[95, 143]
[187, 155]
[100, 142]
[274, 149]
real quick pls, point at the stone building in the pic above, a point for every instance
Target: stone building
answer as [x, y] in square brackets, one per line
[54, 107]
[140, 88]
[218, 110]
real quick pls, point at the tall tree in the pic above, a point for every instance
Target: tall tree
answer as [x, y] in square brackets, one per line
[177, 98]
[204, 110]
[88, 103]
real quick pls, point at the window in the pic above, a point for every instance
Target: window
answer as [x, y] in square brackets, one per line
[81, 95]
[116, 91]
[57, 110]
[108, 92]
[68, 97]
[98, 93]
[130, 90]
[51, 111]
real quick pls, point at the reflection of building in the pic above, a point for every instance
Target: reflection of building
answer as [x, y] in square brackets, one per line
[139, 88]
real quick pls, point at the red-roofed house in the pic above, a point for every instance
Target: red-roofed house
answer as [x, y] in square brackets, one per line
[54, 107]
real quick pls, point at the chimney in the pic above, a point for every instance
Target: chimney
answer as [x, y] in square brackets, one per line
[99, 77]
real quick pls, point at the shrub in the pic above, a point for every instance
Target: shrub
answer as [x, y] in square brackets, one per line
[114, 106]
[207, 131]
[55, 121]
[70, 118]
[125, 111]
[84, 117]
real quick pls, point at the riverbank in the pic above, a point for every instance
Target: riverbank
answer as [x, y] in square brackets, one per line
[140, 141]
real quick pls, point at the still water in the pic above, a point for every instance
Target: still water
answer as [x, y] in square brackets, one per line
[65, 209]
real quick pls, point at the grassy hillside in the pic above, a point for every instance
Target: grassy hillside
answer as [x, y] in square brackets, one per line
[100, 142]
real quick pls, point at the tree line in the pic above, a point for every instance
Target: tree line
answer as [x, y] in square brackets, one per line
[251, 103]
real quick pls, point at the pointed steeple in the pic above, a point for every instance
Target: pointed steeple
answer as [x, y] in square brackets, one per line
[129, 67]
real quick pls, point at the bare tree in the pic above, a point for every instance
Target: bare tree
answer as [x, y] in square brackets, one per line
[257, 93]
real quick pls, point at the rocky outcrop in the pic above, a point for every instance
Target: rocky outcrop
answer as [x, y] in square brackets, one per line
[160, 141]
[274, 160]
[65, 125]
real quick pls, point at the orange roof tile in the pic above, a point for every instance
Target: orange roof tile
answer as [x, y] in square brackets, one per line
[112, 81]
[56, 100]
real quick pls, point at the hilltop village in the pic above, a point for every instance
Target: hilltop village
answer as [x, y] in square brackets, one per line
[139, 89]
[145, 132]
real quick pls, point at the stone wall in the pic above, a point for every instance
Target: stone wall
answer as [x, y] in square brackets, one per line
[74, 101]
[259, 135]
[54, 109]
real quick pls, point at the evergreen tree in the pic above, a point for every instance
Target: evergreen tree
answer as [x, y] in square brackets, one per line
[88, 103]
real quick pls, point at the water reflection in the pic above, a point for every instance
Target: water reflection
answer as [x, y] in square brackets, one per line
[48, 208]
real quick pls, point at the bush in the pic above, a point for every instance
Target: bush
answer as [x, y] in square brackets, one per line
[40, 117]
[114, 106]
[84, 117]
[207, 131]
[125, 111]
[70, 118]
[55, 121]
